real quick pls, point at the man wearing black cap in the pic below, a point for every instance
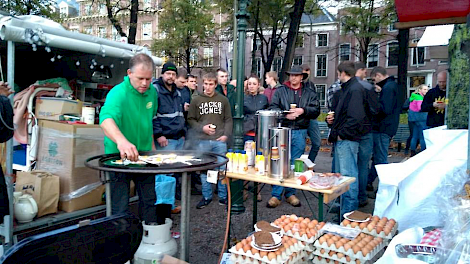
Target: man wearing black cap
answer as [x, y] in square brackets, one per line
[169, 125]
[302, 104]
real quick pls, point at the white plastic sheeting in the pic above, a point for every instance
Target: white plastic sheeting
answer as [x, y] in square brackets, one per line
[407, 191]
[436, 36]
[409, 236]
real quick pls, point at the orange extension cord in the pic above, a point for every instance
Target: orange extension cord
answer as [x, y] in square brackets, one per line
[229, 201]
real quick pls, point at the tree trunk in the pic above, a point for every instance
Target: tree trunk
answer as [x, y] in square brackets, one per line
[133, 21]
[292, 36]
[254, 47]
[188, 61]
[403, 40]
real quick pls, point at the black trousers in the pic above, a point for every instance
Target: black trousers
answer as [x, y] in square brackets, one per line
[145, 187]
[4, 204]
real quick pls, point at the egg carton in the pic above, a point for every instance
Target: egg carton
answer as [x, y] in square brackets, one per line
[300, 258]
[324, 260]
[359, 255]
[374, 232]
[240, 255]
[335, 257]
[303, 238]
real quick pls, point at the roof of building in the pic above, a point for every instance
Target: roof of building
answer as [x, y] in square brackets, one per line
[323, 17]
[71, 3]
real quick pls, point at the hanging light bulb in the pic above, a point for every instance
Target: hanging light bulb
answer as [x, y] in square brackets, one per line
[111, 66]
[35, 49]
[59, 57]
[53, 59]
[48, 49]
[122, 62]
[91, 66]
[77, 63]
[102, 67]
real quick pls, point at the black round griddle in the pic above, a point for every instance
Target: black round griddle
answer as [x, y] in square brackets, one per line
[208, 160]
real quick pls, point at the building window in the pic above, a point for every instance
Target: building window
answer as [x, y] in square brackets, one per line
[375, 24]
[88, 30]
[373, 56]
[63, 11]
[392, 54]
[321, 65]
[321, 92]
[88, 10]
[299, 42]
[208, 57]
[230, 46]
[322, 40]
[257, 45]
[103, 9]
[418, 54]
[277, 65]
[344, 52]
[102, 32]
[230, 68]
[115, 35]
[147, 31]
[258, 67]
[297, 60]
[343, 25]
[147, 4]
[393, 20]
[193, 57]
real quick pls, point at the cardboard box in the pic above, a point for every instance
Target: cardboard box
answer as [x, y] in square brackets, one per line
[51, 108]
[63, 149]
[87, 200]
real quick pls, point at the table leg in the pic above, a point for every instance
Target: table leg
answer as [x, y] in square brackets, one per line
[320, 207]
[229, 182]
[255, 204]
[185, 202]
[108, 194]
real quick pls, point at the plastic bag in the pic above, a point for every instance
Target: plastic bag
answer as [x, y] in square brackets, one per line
[165, 187]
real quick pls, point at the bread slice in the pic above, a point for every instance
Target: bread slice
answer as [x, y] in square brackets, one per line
[358, 216]
[264, 239]
[265, 226]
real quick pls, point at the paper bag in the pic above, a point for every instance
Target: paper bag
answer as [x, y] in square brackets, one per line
[43, 186]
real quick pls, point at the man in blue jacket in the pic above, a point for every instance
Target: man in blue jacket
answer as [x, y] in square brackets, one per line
[169, 125]
[386, 122]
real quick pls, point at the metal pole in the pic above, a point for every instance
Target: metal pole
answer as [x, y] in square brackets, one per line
[468, 136]
[237, 186]
[185, 201]
[234, 41]
[108, 194]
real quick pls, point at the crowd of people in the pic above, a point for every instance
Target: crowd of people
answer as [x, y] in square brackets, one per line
[170, 113]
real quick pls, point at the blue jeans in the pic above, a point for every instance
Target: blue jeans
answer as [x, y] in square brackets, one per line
[418, 128]
[218, 147]
[314, 135]
[297, 149]
[363, 158]
[173, 144]
[346, 163]
[380, 153]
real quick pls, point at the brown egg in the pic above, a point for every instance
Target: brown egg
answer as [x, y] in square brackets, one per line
[263, 254]
[362, 235]
[286, 221]
[309, 235]
[293, 218]
[384, 219]
[246, 248]
[294, 241]
[379, 239]
[375, 218]
[392, 221]
[361, 244]
[369, 247]
[307, 220]
[322, 251]
[335, 238]
[387, 230]
[321, 225]
[239, 246]
[368, 239]
[300, 219]
[348, 258]
[370, 227]
[344, 240]
[311, 225]
[244, 241]
[303, 225]
[327, 236]
[278, 252]
[330, 242]
[322, 240]
[302, 233]
[315, 222]
[331, 253]
[340, 255]
[248, 239]
[271, 255]
[356, 249]
[283, 217]
[358, 261]
[363, 225]
[347, 247]
[254, 251]
[339, 244]
[346, 222]
[365, 251]
[379, 229]
[354, 224]
[389, 224]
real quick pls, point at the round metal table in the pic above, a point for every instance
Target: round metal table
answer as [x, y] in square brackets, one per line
[208, 161]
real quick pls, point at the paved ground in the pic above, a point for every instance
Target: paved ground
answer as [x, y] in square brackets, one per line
[208, 224]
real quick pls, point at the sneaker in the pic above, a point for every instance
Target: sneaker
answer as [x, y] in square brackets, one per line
[223, 201]
[273, 202]
[294, 201]
[203, 203]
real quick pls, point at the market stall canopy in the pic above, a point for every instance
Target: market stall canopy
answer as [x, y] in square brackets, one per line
[419, 13]
[437, 38]
[41, 31]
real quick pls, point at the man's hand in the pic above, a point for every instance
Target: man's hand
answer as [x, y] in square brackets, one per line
[208, 130]
[5, 89]
[162, 141]
[378, 89]
[439, 105]
[222, 138]
[294, 113]
[186, 107]
[330, 119]
[128, 150]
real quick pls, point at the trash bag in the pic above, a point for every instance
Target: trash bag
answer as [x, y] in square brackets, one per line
[165, 187]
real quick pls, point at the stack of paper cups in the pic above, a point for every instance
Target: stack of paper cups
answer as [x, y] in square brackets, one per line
[88, 115]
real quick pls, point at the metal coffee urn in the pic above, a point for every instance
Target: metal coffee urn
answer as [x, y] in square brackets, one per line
[279, 155]
[266, 120]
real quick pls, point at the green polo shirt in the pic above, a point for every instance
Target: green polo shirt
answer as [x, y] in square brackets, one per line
[133, 113]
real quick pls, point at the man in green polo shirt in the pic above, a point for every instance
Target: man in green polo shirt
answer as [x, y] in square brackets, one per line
[126, 119]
